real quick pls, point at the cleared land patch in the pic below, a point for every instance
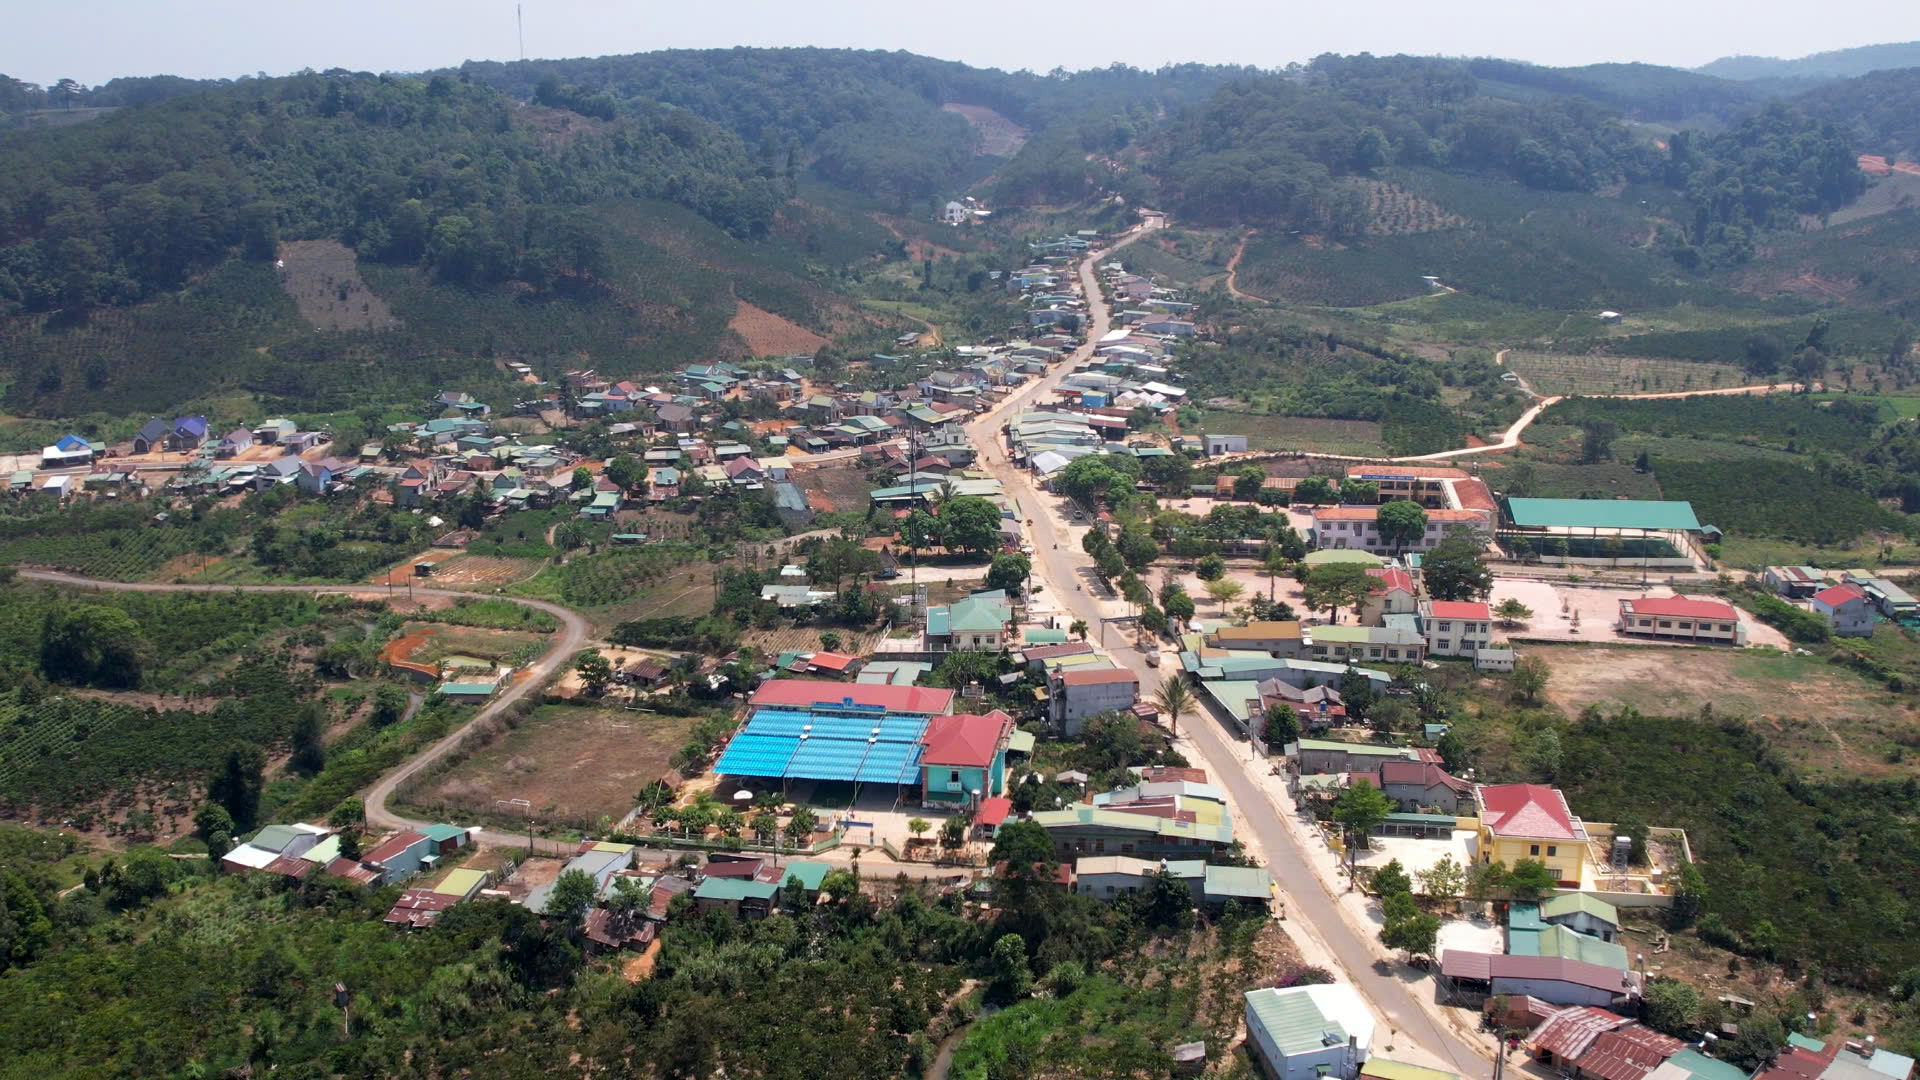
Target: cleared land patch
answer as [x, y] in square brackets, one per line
[767, 334]
[1828, 720]
[323, 278]
[575, 763]
[1360, 438]
[999, 136]
[1555, 373]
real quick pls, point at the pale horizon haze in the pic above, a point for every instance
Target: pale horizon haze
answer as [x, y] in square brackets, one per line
[230, 38]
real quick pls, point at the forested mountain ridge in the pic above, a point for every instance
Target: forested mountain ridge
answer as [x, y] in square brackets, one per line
[437, 172]
[868, 121]
[1837, 64]
[1295, 151]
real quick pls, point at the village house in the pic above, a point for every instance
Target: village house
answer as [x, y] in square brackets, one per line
[1076, 695]
[1317, 1032]
[1397, 595]
[1273, 637]
[1848, 610]
[980, 621]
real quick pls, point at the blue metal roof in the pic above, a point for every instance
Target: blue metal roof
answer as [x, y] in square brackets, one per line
[876, 747]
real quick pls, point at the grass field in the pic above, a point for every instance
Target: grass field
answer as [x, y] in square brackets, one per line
[1828, 720]
[1360, 438]
[1758, 552]
[1554, 373]
[575, 763]
[1553, 480]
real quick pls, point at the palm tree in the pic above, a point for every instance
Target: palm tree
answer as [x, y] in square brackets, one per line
[1078, 629]
[1175, 701]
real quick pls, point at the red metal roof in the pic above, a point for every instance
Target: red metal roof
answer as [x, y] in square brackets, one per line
[1800, 1064]
[993, 812]
[733, 868]
[1048, 652]
[1392, 577]
[351, 870]
[1840, 594]
[1560, 969]
[1680, 607]
[1474, 495]
[1097, 676]
[965, 739]
[1423, 773]
[600, 931]
[393, 847]
[1460, 609]
[1530, 810]
[817, 692]
[1568, 1033]
[419, 907]
[292, 866]
[832, 661]
[1466, 964]
[1628, 1053]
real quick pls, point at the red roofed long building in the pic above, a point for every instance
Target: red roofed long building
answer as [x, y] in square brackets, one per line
[1681, 618]
[817, 694]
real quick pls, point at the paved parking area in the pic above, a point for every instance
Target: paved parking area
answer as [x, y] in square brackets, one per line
[1416, 855]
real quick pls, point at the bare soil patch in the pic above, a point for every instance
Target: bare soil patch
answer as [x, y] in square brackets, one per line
[1825, 718]
[324, 281]
[999, 136]
[479, 571]
[834, 487]
[574, 763]
[767, 334]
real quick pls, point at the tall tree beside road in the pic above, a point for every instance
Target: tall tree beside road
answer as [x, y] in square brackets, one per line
[1175, 700]
[1359, 809]
[1455, 569]
[973, 524]
[1274, 564]
[1336, 585]
[1402, 522]
[1009, 572]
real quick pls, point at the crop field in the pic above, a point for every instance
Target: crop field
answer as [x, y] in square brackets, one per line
[575, 763]
[1553, 373]
[1396, 210]
[115, 554]
[1360, 438]
[807, 639]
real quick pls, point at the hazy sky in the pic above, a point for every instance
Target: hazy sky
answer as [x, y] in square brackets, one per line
[94, 40]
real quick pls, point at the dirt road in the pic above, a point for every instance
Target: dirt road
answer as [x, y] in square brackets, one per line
[1233, 270]
[572, 636]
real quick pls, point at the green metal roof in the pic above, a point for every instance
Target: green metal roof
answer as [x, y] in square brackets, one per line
[1805, 1042]
[1293, 1020]
[461, 882]
[442, 833]
[467, 688]
[1020, 742]
[808, 873]
[1354, 748]
[1250, 882]
[1524, 916]
[1134, 823]
[1379, 1068]
[1602, 514]
[1420, 819]
[1570, 903]
[1044, 636]
[735, 889]
[1567, 944]
[1702, 1067]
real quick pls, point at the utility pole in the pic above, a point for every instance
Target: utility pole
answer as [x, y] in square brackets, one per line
[520, 24]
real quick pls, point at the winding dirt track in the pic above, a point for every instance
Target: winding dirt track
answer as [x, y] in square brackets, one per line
[572, 636]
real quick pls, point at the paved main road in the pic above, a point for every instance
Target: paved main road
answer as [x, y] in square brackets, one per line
[1062, 565]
